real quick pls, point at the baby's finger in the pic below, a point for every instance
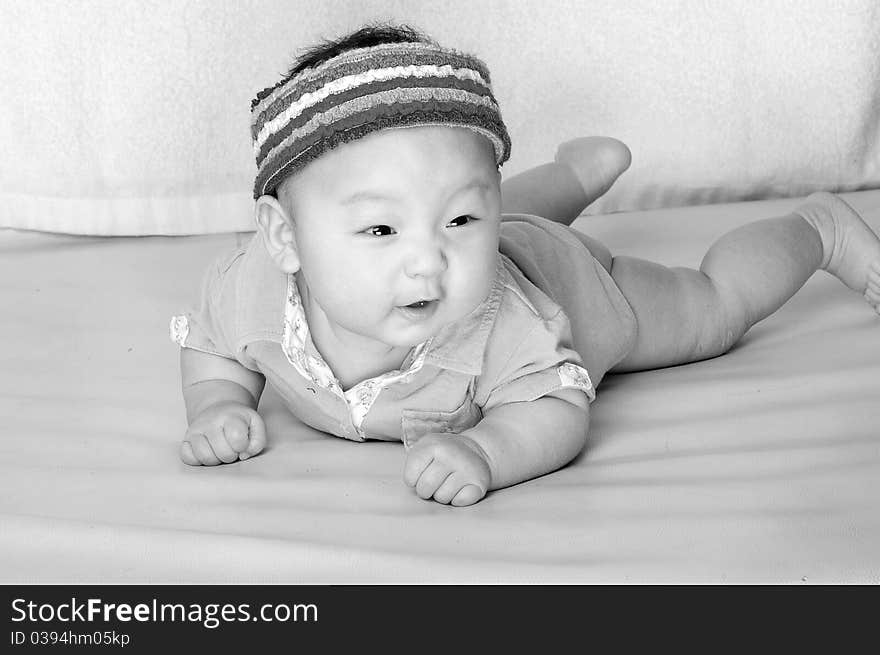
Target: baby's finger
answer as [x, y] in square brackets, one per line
[236, 431]
[469, 494]
[417, 460]
[202, 449]
[187, 454]
[256, 436]
[431, 479]
[450, 487]
[221, 448]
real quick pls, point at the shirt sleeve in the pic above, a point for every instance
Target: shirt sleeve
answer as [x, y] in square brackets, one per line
[527, 361]
[208, 327]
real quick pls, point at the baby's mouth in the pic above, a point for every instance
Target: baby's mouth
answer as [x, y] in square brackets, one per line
[420, 309]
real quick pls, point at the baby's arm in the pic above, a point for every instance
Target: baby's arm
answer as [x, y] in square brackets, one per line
[514, 442]
[221, 398]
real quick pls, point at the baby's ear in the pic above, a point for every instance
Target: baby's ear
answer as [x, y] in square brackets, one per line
[276, 226]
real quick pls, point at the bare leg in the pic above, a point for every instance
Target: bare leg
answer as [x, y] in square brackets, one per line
[584, 170]
[685, 315]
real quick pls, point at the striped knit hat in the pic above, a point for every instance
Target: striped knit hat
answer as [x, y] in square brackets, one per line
[364, 90]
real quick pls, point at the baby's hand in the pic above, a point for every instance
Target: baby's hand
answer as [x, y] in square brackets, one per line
[449, 468]
[222, 434]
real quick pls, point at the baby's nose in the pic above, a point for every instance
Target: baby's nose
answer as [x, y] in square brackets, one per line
[426, 259]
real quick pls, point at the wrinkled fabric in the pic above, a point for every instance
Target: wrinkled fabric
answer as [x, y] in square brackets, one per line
[746, 468]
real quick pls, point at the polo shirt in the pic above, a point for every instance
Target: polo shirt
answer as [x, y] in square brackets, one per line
[516, 346]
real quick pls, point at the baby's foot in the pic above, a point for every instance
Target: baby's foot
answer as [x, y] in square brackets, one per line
[596, 161]
[851, 250]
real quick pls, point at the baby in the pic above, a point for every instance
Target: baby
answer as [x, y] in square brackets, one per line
[387, 296]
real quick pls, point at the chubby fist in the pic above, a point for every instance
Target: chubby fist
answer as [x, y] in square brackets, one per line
[223, 433]
[450, 468]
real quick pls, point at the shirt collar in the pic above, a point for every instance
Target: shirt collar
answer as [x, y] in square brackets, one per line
[261, 293]
[460, 346]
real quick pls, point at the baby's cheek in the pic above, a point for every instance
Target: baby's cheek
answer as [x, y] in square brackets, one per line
[483, 274]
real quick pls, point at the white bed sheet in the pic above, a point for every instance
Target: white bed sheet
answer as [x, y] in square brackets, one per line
[759, 466]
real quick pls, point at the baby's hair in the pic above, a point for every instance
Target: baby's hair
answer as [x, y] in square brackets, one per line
[365, 37]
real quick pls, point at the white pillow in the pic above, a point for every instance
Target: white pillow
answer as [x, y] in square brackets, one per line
[133, 118]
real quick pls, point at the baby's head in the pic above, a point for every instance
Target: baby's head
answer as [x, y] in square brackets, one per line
[392, 232]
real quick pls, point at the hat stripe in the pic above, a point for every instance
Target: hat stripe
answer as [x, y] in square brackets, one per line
[480, 117]
[366, 90]
[288, 160]
[295, 88]
[358, 60]
[360, 104]
[349, 82]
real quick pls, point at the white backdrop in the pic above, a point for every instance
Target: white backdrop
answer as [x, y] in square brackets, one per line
[131, 116]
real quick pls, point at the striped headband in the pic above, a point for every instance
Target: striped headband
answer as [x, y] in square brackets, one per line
[364, 90]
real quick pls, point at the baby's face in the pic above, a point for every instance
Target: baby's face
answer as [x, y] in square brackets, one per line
[397, 233]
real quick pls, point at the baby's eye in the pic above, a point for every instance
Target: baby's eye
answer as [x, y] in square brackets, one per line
[380, 230]
[461, 220]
